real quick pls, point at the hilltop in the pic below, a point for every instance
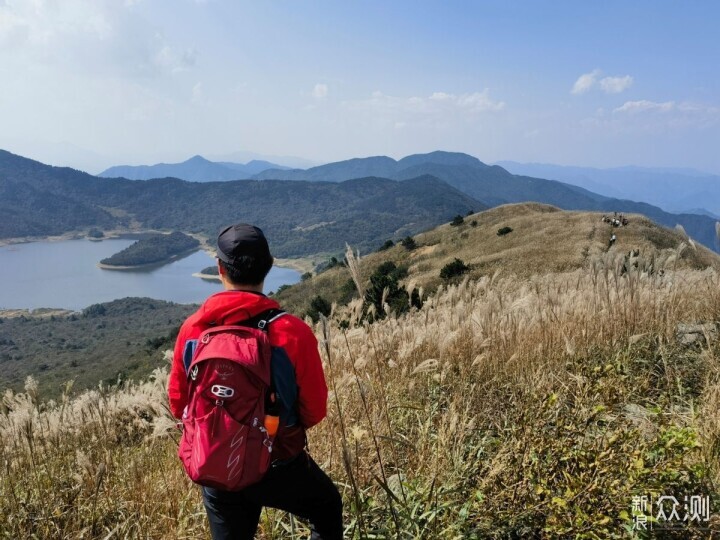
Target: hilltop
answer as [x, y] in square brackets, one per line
[544, 240]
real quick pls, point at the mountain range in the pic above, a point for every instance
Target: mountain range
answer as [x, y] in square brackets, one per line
[300, 218]
[362, 201]
[195, 169]
[673, 190]
[494, 185]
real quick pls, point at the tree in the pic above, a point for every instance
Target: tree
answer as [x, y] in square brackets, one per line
[409, 243]
[457, 221]
[453, 269]
[319, 306]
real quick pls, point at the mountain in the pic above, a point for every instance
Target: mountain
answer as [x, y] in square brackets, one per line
[370, 166]
[242, 156]
[300, 218]
[252, 167]
[674, 190]
[493, 185]
[289, 210]
[195, 169]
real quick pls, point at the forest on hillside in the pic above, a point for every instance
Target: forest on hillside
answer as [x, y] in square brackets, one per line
[120, 339]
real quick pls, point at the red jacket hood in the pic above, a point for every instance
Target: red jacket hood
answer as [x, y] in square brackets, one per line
[229, 307]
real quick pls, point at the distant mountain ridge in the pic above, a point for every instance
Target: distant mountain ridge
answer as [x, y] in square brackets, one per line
[672, 189]
[298, 199]
[383, 166]
[493, 185]
[195, 169]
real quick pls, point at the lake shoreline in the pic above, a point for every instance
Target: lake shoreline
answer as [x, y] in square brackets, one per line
[301, 264]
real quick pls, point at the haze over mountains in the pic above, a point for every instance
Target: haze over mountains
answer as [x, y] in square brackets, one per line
[362, 201]
[674, 190]
[195, 169]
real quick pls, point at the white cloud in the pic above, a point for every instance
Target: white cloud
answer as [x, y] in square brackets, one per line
[175, 60]
[585, 82]
[609, 85]
[320, 91]
[96, 37]
[634, 107]
[437, 102]
[615, 85]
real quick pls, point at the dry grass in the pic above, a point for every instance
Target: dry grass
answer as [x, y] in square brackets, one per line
[544, 240]
[504, 408]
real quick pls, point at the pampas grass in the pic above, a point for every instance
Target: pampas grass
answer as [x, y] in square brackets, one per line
[502, 408]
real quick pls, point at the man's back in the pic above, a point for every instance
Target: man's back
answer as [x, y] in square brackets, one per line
[294, 482]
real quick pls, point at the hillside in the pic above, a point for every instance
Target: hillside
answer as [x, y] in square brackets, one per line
[195, 169]
[123, 338]
[299, 218]
[544, 239]
[504, 408]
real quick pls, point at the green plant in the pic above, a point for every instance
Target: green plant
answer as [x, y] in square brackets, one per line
[504, 230]
[319, 306]
[409, 243]
[457, 220]
[453, 269]
[387, 245]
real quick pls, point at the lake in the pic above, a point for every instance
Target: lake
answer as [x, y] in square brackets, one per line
[64, 275]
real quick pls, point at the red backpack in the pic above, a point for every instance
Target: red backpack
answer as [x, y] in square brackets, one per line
[225, 443]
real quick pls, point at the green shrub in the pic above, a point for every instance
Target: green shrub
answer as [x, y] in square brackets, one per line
[388, 276]
[319, 306]
[457, 221]
[387, 245]
[409, 243]
[453, 269]
[504, 230]
[306, 276]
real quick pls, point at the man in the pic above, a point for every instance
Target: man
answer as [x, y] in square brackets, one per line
[294, 482]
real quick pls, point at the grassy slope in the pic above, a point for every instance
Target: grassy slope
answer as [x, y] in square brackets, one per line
[504, 408]
[544, 239]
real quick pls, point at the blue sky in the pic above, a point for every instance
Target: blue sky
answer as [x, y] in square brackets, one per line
[91, 83]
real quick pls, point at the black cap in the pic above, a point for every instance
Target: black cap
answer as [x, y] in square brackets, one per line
[240, 240]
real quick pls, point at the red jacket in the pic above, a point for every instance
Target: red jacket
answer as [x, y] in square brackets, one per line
[297, 367]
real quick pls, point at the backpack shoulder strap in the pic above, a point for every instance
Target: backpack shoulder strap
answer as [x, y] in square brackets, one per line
[262, 320]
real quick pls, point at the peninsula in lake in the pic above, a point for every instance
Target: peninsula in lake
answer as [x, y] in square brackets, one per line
[152, 250]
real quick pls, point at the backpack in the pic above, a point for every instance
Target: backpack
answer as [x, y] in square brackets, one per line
[225, 443]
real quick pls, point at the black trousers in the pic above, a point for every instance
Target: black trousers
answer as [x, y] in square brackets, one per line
[299, 487]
